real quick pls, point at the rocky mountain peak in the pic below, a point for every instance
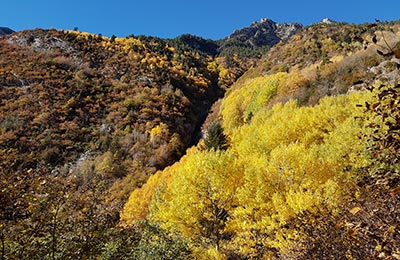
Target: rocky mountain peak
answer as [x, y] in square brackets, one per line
[264, 32]
[5, 31]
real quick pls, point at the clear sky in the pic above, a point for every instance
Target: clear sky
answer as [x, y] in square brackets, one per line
[213, 19]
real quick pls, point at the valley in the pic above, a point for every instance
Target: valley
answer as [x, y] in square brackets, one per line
[277, 142]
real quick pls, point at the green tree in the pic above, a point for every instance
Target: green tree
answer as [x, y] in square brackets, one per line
[112, 39]
[215, 137]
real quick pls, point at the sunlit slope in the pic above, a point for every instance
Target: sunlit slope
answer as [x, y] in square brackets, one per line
[292, 151]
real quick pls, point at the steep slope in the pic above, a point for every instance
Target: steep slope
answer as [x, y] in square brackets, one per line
[261, 33]
[297, 155]
[241, 50]
[79, 87]
[287, 168]
[327, 59]
[84, 120]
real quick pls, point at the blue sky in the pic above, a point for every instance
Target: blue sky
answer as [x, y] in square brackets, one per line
[169, 18]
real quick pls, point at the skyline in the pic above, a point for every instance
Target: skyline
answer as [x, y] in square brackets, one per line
[169, 19]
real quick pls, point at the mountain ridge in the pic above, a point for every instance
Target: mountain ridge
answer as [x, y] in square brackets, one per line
[5, 31]
[265, 32]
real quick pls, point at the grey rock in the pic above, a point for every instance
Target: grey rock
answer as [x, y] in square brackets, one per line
[287, 30]
[328, 21]
[262, 33]
[41, 43]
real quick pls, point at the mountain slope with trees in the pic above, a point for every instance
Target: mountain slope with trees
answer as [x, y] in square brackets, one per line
[84, 120]
[309, 164]
[115, 148]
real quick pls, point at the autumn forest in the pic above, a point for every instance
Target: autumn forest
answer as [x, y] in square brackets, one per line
[189, 148]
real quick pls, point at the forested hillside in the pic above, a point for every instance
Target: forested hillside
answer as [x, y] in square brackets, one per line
[149, 148]
[84, 120]
[302, 160]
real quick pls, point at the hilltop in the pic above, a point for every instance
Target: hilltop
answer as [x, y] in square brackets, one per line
[261, 33]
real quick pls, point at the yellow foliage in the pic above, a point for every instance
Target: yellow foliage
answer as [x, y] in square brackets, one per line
[212, 66]
[293, 165]
[137, 207]
[243, 102]
[226, 76]
[199, 196]
[283, 162]
[158, 132]
[294, 81]
[336, 58]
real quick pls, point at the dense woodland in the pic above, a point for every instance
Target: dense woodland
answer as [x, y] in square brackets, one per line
[117, 148]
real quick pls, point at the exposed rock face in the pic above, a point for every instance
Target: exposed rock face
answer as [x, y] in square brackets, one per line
[264, 32]
[328, 21]
[286, 30]
[5, 31]
[39, 41]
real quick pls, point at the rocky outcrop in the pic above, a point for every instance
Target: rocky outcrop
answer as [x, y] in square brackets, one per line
[5, 31]
[39, 40]
[286, 30]
[327, 21]
[262, 33]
